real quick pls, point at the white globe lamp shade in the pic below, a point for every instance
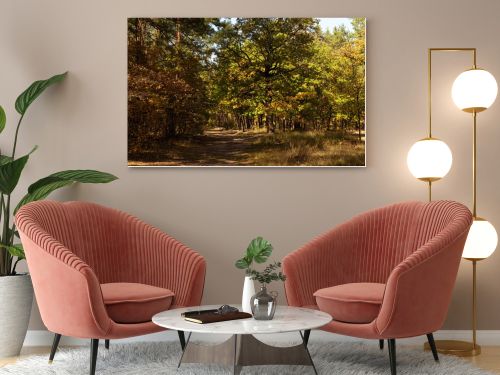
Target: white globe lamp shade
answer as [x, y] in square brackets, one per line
[474, 90]
[429, 159]
[481, 241]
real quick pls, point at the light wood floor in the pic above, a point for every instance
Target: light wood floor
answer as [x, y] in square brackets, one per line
[488, 360]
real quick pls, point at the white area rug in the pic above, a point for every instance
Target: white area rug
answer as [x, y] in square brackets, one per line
[162, 358]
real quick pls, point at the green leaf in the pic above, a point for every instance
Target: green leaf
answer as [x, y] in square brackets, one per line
[261, 258]
[3, 119]
[4, 159]
[43, 187]
[47, 181]
[31, 93]
[85, 176]
[15, 250]
[259, 250]
[42, 193]
[242, 263]
[10, 172]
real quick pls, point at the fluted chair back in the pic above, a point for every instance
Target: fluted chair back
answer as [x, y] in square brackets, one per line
[74, 247]
[368, 247]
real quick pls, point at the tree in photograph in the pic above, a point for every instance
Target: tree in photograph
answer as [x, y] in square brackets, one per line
[260, 61]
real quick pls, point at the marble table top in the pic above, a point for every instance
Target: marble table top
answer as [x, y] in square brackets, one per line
[286, 319]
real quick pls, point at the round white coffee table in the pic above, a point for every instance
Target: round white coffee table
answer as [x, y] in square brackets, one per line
[242, 348]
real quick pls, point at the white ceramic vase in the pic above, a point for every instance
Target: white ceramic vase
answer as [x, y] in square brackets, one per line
[248, 292]
[16, 298]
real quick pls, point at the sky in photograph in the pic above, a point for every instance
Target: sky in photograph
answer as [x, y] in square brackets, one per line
[327, 23]
[330, 23]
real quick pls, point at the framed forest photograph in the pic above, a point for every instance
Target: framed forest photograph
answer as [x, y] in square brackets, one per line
[246, 92]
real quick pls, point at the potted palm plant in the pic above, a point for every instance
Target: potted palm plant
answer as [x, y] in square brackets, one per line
[16, 291]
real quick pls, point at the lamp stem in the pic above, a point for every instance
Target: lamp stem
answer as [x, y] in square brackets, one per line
[429, 90]
[430, 191]
[474, 168]
[474, 304]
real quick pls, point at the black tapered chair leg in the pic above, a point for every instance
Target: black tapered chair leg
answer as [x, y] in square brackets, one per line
[392, 355]
[55, 344]
[381, 344]
[307, 333]
[94, 346]
[432, 344]
[106, 344]
[182, 339]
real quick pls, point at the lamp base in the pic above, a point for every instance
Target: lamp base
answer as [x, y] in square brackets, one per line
[456, 348]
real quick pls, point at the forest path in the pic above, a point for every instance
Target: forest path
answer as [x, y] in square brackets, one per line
[216, 146]
[223, 147]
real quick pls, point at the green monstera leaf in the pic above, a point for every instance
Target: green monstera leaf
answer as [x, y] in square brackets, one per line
[259, 250]
[31, 93]
[242, 263]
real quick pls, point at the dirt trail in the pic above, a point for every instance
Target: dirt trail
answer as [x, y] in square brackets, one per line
[215, 147]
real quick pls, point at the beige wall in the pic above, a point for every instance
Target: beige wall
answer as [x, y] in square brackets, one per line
[83, 124]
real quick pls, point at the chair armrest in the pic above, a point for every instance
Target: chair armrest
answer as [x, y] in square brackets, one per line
[165, 262]
[321, 263]
[66, 289]
[419, 289]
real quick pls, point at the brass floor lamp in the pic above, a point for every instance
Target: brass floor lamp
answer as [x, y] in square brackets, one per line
[430, 159]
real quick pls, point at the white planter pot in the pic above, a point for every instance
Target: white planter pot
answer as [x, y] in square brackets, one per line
[16, 298]
[248, 292]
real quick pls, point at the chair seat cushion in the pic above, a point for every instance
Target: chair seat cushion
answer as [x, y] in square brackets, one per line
[135, 303]
[351, 303]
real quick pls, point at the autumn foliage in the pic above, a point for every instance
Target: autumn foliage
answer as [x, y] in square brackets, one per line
[259, 76]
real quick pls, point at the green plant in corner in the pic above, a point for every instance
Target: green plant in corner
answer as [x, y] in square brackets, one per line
[11, 169]
[259, 250]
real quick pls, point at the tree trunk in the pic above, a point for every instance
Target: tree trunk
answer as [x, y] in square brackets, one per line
[358, 116]
[177, 45]
[171, 126]
[140, 55]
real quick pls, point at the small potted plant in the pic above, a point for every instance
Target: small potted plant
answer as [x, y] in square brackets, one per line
[258, 251]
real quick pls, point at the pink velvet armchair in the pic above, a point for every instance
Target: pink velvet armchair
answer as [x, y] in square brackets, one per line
[385, 274]
[99, 273]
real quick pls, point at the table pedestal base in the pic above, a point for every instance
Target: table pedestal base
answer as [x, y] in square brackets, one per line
[246, 350]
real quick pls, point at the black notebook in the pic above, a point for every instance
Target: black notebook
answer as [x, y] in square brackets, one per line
[213, 316]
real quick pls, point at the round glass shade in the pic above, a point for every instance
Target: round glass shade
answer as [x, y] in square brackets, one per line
[481, 241]
[429, 159]
[474, 90]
